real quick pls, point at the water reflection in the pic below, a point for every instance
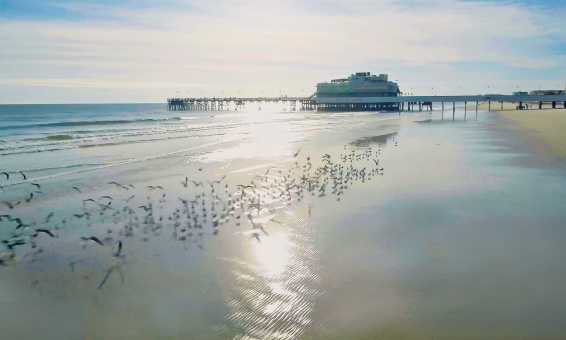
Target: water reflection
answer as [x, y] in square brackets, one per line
[274, 296]
[272, 253]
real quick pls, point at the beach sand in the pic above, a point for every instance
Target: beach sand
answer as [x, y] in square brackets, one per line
[545, 127]
[454, 240]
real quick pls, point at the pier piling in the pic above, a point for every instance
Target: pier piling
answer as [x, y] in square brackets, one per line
[453, 110]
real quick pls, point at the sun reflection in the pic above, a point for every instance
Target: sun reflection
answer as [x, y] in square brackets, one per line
[272, 253]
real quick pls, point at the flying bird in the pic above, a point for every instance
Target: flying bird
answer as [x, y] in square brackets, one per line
[12, 205]
[23, 175]
[48, 218]
[45, 231]
[93, 239]
[12, 244]
[218, 181]
[119, 185]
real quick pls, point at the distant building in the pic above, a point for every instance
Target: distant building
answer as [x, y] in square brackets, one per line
[547, 92]
[361, 84]
[521, 93]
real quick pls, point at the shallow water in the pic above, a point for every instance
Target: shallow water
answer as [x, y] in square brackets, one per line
[457, 238]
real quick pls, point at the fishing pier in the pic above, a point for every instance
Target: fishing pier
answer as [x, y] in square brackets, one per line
[228, 103]
[446, 104]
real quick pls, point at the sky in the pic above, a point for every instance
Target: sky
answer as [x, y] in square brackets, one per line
[90, 51]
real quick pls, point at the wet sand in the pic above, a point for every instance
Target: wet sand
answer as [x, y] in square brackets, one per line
[543, 129]
[546, 126]
[453, 241]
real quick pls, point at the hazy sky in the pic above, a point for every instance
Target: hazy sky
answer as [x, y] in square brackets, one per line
[54, 51]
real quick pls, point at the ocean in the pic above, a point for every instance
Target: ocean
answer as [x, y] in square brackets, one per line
[130, 221]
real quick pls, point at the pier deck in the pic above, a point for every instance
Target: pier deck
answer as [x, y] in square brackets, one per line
[399, 103]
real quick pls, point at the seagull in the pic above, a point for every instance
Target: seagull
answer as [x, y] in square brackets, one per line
[11, 245]
[118, 251]
[256, 236]
[36, 185]
[45, 231]
[93, 239]
[5, 174]
[48, 218]
[249, 186]
[155, 187]
[297, 153]
[89, 200]
[218, 181]
[23, 175]
[77, 189]
[185, 182]
[29, 198]
[18, 221]
[107, 197]
[119, 185]
[12, 205]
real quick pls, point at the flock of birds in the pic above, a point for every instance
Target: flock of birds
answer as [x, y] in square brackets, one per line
[197, 209]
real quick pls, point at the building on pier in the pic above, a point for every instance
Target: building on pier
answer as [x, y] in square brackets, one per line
[547, 92]
[357, 85]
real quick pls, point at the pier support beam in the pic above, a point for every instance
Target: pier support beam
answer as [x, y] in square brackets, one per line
[453, 110]
[477, 104]
[465, 110]
[489, 105]
[501, 105]
[442, 116]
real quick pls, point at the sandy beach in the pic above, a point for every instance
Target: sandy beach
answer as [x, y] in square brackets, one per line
[544, 128]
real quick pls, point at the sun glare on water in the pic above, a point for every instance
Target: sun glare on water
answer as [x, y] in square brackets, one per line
[272, 254]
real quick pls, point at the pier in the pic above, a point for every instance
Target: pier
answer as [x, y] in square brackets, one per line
[395, 104]
[227, 103]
